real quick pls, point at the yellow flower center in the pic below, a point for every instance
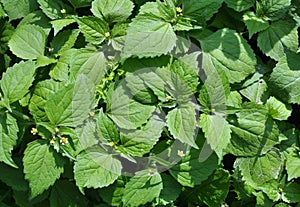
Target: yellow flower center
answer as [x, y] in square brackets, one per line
[107, 34]
[180, 153]
[63, 11]
[111, 144]
[64, 140]
[178, 9]
[34, 131]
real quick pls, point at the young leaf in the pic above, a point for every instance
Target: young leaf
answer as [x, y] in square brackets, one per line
[112, 10]
[227, 51]
[95, 168]
[42, 166]
[59, 24]
[8, 138]
[142, 188]
[65, 40]
[71, 105]
[181, 123]
[28, 42]
[16, 80]
[285, 78]
[108, 129]
[65, 193]
[293, 165]
[254, 24]
[277, 109]
[280, 35]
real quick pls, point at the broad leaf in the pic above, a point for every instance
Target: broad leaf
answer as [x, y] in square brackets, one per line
[28, 42]
[113, 193]
[285, 78]
[107, 128]
[217, 132]
[64, 40]
[42, 166]
[291, 193]
[53, 8]
[65, 193]
[112, 10]
[18, 8]
[279, 36]
[227, 51]
[96, 168]
[16, 80]
[8, 138]
[149, 37]
[93, 29]
[190, 171]
[41, 94]
[181, 123]
[171, 190]
[71, 105]
[13, 177]
[293, 165]
[273, 9]
[258, 170]
[142, 188]
[59, 24]
[201, 10]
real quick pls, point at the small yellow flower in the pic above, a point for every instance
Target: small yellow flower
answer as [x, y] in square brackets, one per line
[195, 123]
[111, 144]
[180, 153]
[52, 142]
[51, 49]
[169, 98]
[178, 9]
[63, 11]
[151, 172]
[107, 34]
[92, 114]
[64, 140]
[34, 131]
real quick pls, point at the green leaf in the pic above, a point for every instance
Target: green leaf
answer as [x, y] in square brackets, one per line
[262, 200]
[112, 10]
[201, 10]
[255, 91]
[227, 51]
[16, 80]
[273, 9]
[13, 177]
[65, 193]
[280, 35]
[64, 40]
[171, 190]
[277, 109]
[254, 23]
[6, 32]
[181, 123]
[240, 5]
[285, 78]
[41, 94]
[93, 29]
[59, 71]
[258, 170]
[28, 42]
[125, 111]
[293, 165]
[86, 135]
[59, 24]
[37, 18]
[255, 133]
[95, 168]
[217, 132]
[71, 105]
[80, 3]
[142, 188]
[191, 170]
[108, 129]
[8, 138]
[149, 36]
[113, 194]
[16, 9]
[42, 166]
[211, 192]
[291, 193]
[53, 8]
[141, 141]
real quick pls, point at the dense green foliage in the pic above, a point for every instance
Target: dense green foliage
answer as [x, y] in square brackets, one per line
[149, 103]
